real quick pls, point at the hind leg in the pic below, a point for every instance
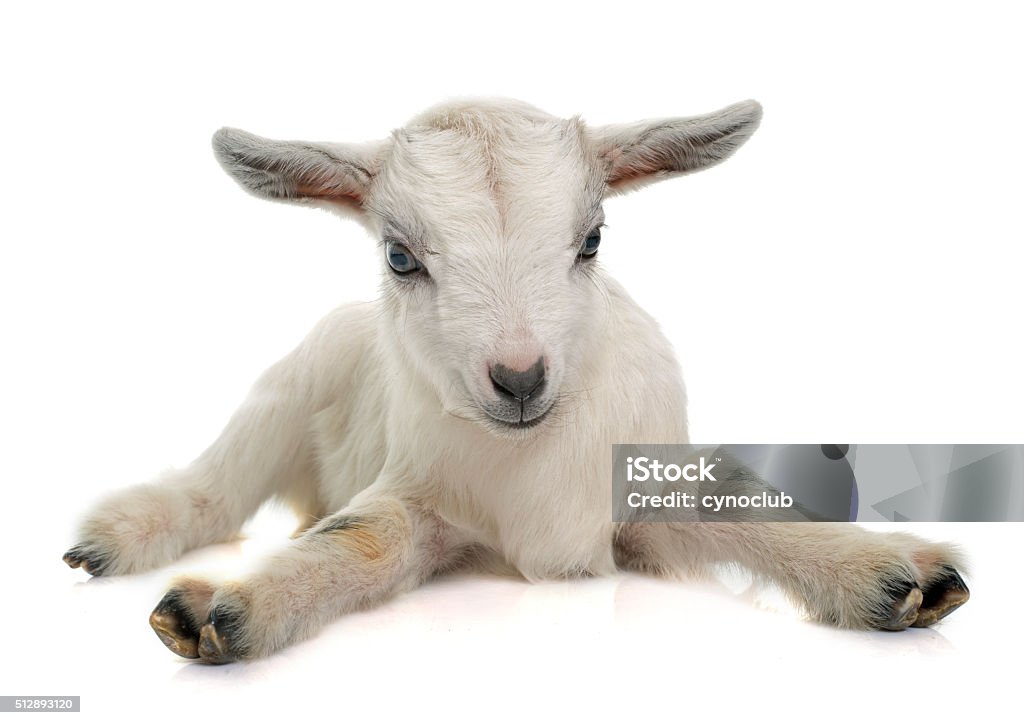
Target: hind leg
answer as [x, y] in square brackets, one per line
[839, 573]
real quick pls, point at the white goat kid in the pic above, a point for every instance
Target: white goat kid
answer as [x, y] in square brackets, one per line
[471, 410]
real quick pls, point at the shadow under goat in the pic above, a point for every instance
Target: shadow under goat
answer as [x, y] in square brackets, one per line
[470, 411]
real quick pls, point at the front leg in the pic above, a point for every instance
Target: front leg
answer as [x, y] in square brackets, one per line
[839, 573]
[260, 452]
[264, 451]
[350, 560]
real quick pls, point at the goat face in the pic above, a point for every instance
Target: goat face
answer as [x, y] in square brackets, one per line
[490, 222]
[489, 218]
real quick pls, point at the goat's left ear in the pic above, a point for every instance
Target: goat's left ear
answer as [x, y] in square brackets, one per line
[338, 175]
[641, 153]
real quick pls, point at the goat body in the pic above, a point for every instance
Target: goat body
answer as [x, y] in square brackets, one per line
[470, 411]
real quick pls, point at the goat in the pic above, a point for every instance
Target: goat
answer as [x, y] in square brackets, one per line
[469, 412]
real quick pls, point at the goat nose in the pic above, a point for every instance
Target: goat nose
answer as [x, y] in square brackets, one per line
[519, 384]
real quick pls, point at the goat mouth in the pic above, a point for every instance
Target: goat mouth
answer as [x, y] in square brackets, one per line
[520, 424]
[532, 423]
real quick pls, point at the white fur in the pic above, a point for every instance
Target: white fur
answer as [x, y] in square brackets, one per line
[385, 428]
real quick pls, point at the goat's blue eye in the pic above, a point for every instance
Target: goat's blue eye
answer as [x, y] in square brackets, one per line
[591, 243]
[401, 259]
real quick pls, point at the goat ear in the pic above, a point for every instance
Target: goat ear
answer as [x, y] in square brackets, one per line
[338, 174]
[641, 153]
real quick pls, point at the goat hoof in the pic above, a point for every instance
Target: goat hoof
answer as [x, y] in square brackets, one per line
[173, 625]
[212, 647]
[942, 597]
[80, 557]
[215, 638]
[904, 611]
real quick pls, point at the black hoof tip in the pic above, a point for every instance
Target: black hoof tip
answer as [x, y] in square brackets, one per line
[942, 597]
[173, 625]
[218, 639]
[77, 557]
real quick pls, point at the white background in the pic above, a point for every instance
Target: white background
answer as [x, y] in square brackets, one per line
[852, 274]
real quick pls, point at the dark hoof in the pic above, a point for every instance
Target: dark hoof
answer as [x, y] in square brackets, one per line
[942, 597]
[217, 638]
[93, 564]
[904, 611]
[173, 625]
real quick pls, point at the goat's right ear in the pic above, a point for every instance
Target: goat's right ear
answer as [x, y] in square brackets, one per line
[298, 171]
